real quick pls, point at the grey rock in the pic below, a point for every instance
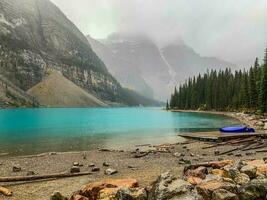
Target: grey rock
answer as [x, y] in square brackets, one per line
[74, 169]
[16, 169]
[131, 194]
[255, 190]
[58, 196]
[30, 173]
[232, 172]
[105, 164]
[95, 169]
[168, 186]
[242, 179]
[110, 171]
[91, 165]
[249, 170]
[223, 194]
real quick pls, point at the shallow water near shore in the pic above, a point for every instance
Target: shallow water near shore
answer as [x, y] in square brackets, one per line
[33, 131]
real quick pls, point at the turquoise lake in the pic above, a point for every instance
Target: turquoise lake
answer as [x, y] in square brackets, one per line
[32, 131]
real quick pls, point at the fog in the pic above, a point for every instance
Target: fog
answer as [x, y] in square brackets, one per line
[232, 30]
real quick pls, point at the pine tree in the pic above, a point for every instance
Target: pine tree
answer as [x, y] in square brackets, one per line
[167, 105]
[263, 87]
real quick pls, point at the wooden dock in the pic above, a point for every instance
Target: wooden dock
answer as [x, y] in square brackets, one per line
[217, 136]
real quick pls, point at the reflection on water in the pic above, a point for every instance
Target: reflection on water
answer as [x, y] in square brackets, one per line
[30, 131]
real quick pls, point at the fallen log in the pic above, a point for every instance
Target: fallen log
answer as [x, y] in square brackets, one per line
[262, 150]
[40, 177]
[229, 151]
[5, 191]
[259, 146]
[140, 155]
[232, 142]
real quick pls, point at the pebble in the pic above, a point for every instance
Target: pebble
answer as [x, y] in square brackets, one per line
[16, 169]
[76, 164]
[95, 169]
[216, 152]
[91, 165]
[30, 173]
[105, 164]
[110, 171]
[74, 169]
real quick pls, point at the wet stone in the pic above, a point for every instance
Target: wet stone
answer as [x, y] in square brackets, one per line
[74, 169]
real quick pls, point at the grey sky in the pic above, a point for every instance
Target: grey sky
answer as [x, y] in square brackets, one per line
[235, 30]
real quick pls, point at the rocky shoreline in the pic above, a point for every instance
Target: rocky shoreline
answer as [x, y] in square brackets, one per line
[219, 180]
[144, 165]
[259, 122]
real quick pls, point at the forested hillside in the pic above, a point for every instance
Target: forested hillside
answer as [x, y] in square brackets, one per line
[224, 90]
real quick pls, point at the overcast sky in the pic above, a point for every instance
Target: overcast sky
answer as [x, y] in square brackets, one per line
[229, 29]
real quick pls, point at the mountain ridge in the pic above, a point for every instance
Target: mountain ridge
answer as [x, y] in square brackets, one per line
[160, 67]
[34, 41]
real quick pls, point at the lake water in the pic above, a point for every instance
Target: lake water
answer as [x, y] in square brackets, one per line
[31, 131]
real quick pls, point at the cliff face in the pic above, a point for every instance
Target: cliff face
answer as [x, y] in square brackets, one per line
[36, 36]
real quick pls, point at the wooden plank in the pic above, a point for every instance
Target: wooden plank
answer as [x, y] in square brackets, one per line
[40, 177]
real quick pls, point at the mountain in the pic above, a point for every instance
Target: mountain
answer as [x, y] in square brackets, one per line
[57, 91]
[160, 68]
[185, 62]
[136, 55]
[35, 36]
[124, 70]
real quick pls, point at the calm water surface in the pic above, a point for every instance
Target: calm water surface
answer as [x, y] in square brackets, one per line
[31, 131]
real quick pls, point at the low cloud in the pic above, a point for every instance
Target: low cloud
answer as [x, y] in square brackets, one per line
[232, 30]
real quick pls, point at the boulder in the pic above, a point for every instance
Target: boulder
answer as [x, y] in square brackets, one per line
[194, 180]
[242, 179]
[212, 177]
[107, 188]
[232, 172]
[76, 164]
[256, 163]
[250, 170]
[131, 194]
[206, 189]
[222, 194]
[199, 172]
[169, 187]
[219, 172]
[254, 190]
[262, 170]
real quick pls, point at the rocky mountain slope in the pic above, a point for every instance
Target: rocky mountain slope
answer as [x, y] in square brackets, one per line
[57, 91]
[158, 68]
[36, 36]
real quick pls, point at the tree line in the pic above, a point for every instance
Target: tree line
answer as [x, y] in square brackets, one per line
[224, 90]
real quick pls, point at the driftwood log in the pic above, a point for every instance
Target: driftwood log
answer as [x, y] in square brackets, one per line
[5, 191]
[40, 177]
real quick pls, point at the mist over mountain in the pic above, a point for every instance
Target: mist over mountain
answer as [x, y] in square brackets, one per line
[158, 68]
[34, 41]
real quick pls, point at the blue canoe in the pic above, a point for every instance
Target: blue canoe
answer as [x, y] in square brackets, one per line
[237, 129]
